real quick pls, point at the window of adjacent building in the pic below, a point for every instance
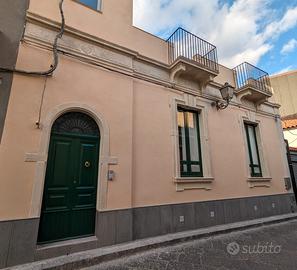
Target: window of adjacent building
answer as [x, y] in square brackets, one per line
[94, 4]
[254, 158]
[189, 143]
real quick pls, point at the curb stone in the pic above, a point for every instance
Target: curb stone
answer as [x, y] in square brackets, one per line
[92, 257]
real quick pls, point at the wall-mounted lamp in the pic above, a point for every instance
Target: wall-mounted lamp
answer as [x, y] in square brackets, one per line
[227, 92]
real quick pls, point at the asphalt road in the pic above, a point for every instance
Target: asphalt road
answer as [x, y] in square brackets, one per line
[267, 247]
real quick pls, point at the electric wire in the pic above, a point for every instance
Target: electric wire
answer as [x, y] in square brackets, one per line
[41, 103]
[290, 142]
[55, 63]
[289, 130]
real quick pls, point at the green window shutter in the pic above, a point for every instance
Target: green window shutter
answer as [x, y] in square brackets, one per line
[189, 143]
[254, 157]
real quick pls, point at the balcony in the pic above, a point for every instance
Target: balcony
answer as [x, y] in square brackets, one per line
[191, 57]
[253, 84]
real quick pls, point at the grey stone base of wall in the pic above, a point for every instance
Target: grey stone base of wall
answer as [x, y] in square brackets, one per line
[17, 241]
[18, 238]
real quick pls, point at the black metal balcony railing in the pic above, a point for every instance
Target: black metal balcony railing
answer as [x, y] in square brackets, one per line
[248, 75]
[185, 44]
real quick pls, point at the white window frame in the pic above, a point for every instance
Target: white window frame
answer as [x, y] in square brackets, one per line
[250, 137]
[99, 5]
[184, 183]
[265, 179]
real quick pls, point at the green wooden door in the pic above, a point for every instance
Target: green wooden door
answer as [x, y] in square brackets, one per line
[69, 199]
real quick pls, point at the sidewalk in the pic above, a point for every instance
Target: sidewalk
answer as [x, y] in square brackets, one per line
[96, 256]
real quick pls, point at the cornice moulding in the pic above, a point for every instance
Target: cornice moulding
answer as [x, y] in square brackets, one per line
[130, 64]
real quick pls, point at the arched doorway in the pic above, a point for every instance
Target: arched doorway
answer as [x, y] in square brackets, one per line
[70, 190]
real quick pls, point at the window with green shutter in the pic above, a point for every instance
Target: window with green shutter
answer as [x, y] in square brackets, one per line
[189, 143]
[254, 157]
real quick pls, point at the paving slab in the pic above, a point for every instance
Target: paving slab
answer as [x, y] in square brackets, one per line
[208, 253]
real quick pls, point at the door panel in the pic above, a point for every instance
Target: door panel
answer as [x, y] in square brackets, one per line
[69, 201]
[85, 188]
[56, 210]
[59, 158]
[86, 225]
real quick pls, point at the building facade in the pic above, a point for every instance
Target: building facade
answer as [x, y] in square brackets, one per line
[124, 139]
[290, 129]
[284, 87]
[285, 92]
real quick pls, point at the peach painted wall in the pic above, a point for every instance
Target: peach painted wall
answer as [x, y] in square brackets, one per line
[109, 93]
[139, 118]
[114, 24]
[153, 152]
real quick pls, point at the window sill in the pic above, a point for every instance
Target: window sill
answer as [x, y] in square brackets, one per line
[191, 183]
[259, 179]
[259, 182]
[193, 179]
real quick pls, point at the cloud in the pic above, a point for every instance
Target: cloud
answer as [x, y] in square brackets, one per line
[289, 47]
[288, 21]
[242, 31]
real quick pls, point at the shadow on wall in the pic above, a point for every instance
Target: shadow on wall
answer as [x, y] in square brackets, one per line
[12, 22]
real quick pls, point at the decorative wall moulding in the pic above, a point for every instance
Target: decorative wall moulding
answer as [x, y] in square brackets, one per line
[253, 94]
[189, 70]
[259, 182]
[183, 74]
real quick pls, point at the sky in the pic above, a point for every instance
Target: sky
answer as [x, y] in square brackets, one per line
[261, 32]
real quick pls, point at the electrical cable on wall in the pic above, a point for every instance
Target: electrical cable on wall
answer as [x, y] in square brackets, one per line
[41, 104]
[54, 65]
[292, 132]
[289, 130]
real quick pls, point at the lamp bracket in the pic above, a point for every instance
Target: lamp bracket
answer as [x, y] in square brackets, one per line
[220, 105]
